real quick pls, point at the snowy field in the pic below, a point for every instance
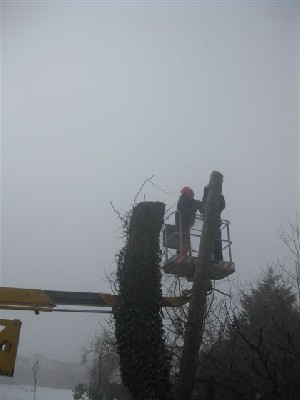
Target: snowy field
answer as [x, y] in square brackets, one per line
[12, 392]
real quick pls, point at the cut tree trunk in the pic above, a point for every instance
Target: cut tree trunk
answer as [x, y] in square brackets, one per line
[195, 321]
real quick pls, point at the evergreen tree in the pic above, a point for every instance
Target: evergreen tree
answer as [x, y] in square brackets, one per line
[270, 306]
[260, 357]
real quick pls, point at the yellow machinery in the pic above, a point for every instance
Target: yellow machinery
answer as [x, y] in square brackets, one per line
[38, 300]
[9, 340]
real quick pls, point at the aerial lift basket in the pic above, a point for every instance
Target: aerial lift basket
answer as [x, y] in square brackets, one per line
[184, 266]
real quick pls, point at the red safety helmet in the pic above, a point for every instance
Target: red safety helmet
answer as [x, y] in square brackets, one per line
[187, 191]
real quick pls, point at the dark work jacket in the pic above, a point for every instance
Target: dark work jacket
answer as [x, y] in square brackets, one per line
[188, 206]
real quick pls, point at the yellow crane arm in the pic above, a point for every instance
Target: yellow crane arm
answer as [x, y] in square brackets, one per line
[46, 300]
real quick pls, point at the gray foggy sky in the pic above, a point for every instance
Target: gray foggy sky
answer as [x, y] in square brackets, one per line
[98, 96]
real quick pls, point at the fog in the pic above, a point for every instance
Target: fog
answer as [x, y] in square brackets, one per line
[98, 96]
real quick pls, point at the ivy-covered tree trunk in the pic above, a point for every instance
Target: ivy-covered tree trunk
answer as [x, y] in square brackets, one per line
[144, 359]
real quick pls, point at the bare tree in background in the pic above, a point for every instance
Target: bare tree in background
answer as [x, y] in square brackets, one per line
[102, 362]
[35, 370]
[291, 238]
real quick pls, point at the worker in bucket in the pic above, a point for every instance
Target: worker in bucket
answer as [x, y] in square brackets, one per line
[187, 207]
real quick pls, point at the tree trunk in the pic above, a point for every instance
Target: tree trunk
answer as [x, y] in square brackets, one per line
[144, 360]
[195, 320]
